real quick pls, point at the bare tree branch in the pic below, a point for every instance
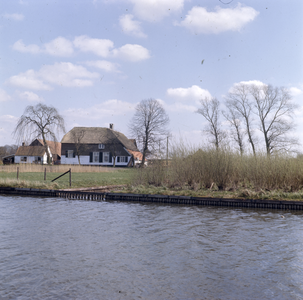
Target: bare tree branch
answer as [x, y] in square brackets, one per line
[210, 111]
[238, 100]
[233, 118]
[275, 110]
[39, 121]
[149, 125]
[77, 137]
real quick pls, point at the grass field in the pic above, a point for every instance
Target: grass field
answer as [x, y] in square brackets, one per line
[277, 178]
[89, 177]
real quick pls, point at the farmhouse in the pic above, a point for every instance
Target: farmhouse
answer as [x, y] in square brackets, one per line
[55, 149]
[32, 154]
[98, 146]
[36, 152]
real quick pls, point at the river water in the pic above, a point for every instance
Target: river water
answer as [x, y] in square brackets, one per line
[54, 248]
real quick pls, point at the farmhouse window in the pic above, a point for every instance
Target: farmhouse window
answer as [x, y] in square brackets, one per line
[122, 159]
[101, 146]
[24, 158]
[106, 156]
[96, 156]
[70, 154]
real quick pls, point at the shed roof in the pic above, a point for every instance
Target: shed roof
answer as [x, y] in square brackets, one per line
[30, 151]
[98, 135]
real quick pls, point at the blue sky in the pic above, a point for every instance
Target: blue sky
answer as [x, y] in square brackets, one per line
[94, 60]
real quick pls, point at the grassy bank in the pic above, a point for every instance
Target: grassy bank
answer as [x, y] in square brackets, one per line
[191, 172]
[31, 176]
[223, 173]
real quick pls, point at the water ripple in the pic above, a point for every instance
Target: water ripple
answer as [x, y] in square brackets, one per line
[61, 249]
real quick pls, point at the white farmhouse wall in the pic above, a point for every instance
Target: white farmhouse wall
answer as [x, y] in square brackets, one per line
[30, 159]
[84, 160]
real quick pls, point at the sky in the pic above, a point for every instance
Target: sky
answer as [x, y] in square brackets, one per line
[95, 60]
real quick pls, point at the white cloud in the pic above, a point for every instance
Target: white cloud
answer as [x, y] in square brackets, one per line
[106, 109]
[59, 47]
[63, 74]
[4, 96]
[21, 47]
[30, 96]
[14, 17]
[193, 93]
[28, 80]
[177, 106]
[103, 65]
[249, 82]
[131, 53]
[180, 107]
[131, 27]
[99, 47]
[156, 10]
[67, 74]
[295, 91]
[199, 20]
[8, 119]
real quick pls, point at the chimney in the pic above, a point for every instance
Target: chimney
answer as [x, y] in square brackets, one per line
[111, 126]
[23, 144]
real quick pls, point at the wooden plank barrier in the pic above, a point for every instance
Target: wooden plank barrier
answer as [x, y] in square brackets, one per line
[181, 200]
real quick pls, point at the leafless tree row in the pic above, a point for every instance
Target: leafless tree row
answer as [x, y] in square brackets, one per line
[251, 108]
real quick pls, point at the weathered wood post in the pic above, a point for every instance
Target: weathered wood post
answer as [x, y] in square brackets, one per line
[44, 174]
[17, 173]
[70, 177]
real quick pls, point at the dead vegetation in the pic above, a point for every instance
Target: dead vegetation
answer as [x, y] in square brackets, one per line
[223, 170]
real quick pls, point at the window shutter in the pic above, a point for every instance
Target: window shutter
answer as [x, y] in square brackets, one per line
[118, 159]
[100, 157]
[66, 153]
[91, 157]
[110, 157]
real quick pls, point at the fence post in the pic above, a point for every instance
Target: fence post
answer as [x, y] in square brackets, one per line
[17, 173]
[70, 177]
[44, 174]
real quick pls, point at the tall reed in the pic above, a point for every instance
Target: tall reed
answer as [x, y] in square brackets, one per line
[224, 169]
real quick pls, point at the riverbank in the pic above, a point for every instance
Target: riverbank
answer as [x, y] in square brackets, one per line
[142, 198]
[127, 181]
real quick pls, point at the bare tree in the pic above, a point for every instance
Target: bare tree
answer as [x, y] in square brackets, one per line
[210, 111]
[238, 100]
[233, 118]
[149, 125]
[77, 137]
[113, 144]
[275, 109]
[39, 121]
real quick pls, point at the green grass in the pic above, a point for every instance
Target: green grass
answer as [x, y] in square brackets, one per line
[236, 194]
[129, 177]
[79, 180]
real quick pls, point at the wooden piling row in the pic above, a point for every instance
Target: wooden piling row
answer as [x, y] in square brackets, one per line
[182, 200]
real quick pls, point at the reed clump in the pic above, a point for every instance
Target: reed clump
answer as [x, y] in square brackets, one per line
[225, 170]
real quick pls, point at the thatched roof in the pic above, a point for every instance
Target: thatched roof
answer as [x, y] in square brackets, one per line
[55, 147]
[98, 135]
[30, 151]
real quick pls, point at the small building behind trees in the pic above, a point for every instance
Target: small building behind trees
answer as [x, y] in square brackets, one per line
[32, 154]
[36, 152]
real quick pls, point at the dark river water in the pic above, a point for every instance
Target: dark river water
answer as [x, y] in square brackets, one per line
[53, 248]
